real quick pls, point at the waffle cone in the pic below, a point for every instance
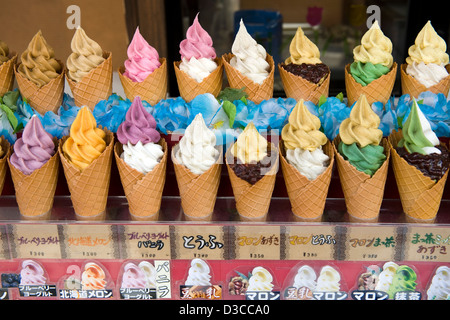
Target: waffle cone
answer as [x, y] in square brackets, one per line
[411, 86]
[189, 88]
[256, 92]
[378, 90]
[363, 193]
[299, 88]
[95, 86]
[46, 98]
[6, 147]
[420, 196]
[89, 188]
[143, 191]
[7, 75]
[307, 197]
[152, 89]
[197, 192]
[35, 192]
[252, 201]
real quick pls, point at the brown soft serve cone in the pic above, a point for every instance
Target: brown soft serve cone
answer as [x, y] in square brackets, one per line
[40, 76]
[143, 191]
[152, 89]
[198, 192]
[307, 197]
[7, 63]
[256, 92]
[6, 149]
[189, 88]
[378, 90]
[420, 196]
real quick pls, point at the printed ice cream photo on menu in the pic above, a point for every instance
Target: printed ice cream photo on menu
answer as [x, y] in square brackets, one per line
[198, 284]
[138, 281]
[258, 284]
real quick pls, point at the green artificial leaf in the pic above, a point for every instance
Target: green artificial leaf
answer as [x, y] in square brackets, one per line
[18, 128]
[230, 109]
[322, 100]
[232, 94]
[399, 122]
[420, 101]
[340, 96]
[10, 99]
[10, 115]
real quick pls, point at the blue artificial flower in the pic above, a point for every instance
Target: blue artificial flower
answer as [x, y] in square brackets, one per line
[110, 113]
[6, 130]
[388, 116]
[331, 114]
[171, 115]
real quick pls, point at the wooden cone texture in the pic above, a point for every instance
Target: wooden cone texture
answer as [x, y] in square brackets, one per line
[95, 86]
[299, 88]
[35, 192]
[197, 192]
[413, 87]
[378, 90]
[152, 89]
[6, 147]
[189, 88]
[256, 92]
[252, 201]
[46, 98]
[363, 193]
[89, 188]
[7, 75]
[307, 197]
[420, 196]
[143, 191]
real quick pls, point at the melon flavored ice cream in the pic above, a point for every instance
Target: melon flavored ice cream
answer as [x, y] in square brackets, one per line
[197, 52]
[249, 56]
[252, 155]
[86, 55]
[427, 57]
[304, 60]
[86, 142]
[33, 149]
[360, 138]
[303, 142]
[373, 57]
[142, 60]
[140, 138]
[420, 146]
[93, 277]
[197, 147]
[38, 63]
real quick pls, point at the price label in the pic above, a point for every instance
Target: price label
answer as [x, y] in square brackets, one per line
[428, 243]
[145, 241]
[310, 242]
[371, 243]
[36, 241]
[257, 242]
[90, 241]
[199, 241]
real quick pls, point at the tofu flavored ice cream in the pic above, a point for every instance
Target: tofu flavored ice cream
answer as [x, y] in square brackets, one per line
[199, 273]
[329, 280]
[197, 52]
[140, 138]
[427, 57]
[303, 141]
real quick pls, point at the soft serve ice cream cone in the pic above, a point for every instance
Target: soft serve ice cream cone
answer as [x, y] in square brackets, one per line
[362, 158]
[306, 167]
[197, 163]
[89, 71]
[141, 157]
[34, 166]
[373, 70]
[303, 74]
[420, 166]
[427, 66]
[86, 155]
[7, 63]
[199, 70]
[144, 73]
[252, 165]
[249, 66]
[40, 76]
[5, 149]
